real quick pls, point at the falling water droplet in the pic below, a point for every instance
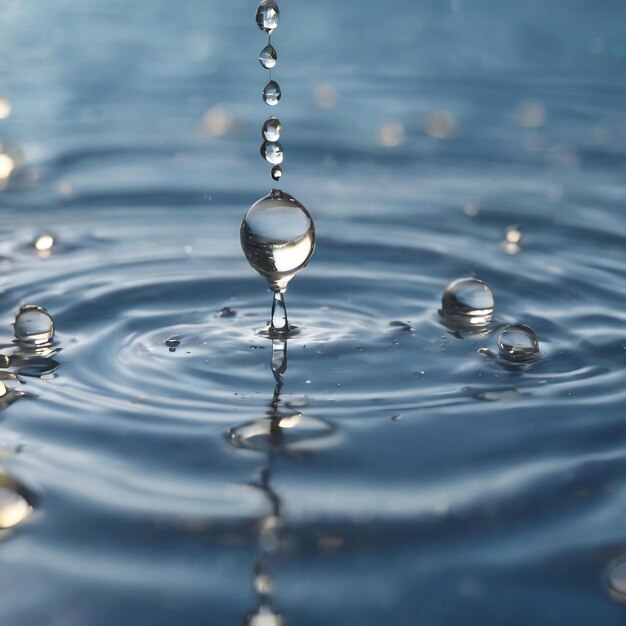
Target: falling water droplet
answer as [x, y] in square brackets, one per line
[272, 152]
[277, 172]
[468, 302]
[267, 15]
[261, 579]
[33, 325]
[271, 93]
[518, 342]
[268, 57]
[278, 238]
[272, 129]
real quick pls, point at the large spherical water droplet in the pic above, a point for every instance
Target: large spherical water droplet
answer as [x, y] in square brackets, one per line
[272, 129]
[518, 342]
[272, 152]
[267, 15]
[277, 172]
[468, 302]
[33, 325]
[271, 93]
[268, 57]
[278, 238]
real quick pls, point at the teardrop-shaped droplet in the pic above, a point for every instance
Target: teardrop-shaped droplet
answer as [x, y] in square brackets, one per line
[272, 152]
[277, 172]
[33, 325]
[468, 302]
[271, 93]
[267, 15]
[268, 57]
[272, 129]
[278, 238]
[518, 342]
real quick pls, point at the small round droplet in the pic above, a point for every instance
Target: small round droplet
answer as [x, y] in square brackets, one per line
[172, 343]
[278, 238]
[271, 93]
[33, 325]
[43, 244]
[267, 15]
[277, 172]
[272, 129]
[518, 342]
[272, 152]
[268, 57]
[13, 508]
[468, 302]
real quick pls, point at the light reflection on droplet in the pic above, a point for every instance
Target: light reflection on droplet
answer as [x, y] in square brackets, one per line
[14, 509]
[268, 57]
[391, 135]
[264, 617]
[440, 124]
[272, 93]
[44, 244]
[468, 302]
[272, 129]
[5, 108]
[33, 325]
[267, 16]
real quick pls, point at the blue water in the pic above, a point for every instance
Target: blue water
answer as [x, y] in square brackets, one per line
[415, 481]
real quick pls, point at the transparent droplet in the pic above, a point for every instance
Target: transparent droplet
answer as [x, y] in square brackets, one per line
[277, 172]
[271, 93]
[278, 238]
[267, 15]
[518, 342]
[13, 506]
[272, 129]
[617, 582]
[468, 302]
[33, 325]
[272, 152]
[172, 343]
[268, 57]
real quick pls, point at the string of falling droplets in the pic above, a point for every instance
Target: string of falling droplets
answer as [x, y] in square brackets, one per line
[267, 17]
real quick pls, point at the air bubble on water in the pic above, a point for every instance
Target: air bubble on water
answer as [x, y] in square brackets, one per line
[518, 342]
[33, 325]
[278, 238]
[14, 508]
[43, 244]
[267, 15]
[272, 129]
[468, 302]
[277, 172]
[272, 152]
[172, 343]
[271, 93]
[268, 57]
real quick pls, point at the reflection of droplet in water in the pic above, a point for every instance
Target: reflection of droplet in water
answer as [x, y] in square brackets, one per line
[264, 617]
[278, 238]
[33, 325]
[172, 343]
[13, 508]
[271, 93]
[617, 582]
[468, 302]
[267, 15]
[5, 108]
[272, 129]
[531, 115]
[325, 96]
[268, 57]
[277, 172]
[440, 124]
[518, 342]
[272, 152]
[43, 244]
[391, 135]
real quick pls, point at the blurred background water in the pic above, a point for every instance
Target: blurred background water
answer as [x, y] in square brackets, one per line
[413, 480]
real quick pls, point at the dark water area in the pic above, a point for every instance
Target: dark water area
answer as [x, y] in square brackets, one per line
[163, 462]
